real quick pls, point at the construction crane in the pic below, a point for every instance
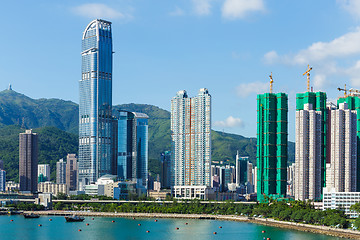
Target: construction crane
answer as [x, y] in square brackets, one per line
[271, 83]
[308, 77]
[343, 89]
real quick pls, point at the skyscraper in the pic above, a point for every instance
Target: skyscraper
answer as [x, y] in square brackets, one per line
[95, 108]
[130, 148]
[342, 168]
[2, 180]
[61, 172]
[71, 172]
[165, 168]
[272, 142]
[310, 145]
[354, 104]
[191, 139]
[28, 161]
[241, 164]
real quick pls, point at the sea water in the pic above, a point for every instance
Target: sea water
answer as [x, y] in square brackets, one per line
[104, 228]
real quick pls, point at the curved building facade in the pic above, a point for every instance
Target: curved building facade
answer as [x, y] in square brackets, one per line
[95, 107]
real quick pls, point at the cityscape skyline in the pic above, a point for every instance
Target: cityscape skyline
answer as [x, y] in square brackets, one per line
[174, 41]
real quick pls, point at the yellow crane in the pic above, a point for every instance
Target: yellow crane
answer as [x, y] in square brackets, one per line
[308, 77]
[271, 83]
[343, 89]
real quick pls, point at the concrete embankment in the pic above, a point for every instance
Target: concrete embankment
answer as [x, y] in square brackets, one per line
[344, 233]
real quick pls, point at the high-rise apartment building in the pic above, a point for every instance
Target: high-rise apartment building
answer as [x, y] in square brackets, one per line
[28, 161]
[191, 139]
[61, 172]
[43, 172]
[2, 180]
[354, 104]
[130, 148]
[272, 142]
[310, 145]
[71, 172]
[95, 105]
[342, 169]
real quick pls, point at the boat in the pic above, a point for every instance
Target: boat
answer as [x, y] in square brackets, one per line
[31, 215]
[74, 218]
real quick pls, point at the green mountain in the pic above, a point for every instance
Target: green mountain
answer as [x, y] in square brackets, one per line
[18, 109]
[56, 122]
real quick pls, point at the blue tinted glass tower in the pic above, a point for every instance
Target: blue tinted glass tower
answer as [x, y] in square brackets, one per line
[95, 108]
[130, 137]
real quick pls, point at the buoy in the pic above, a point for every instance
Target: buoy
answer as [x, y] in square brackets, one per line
[177, 228]
[215, 232]
[87, 224]
[147, 231]
[79, 230]
[11, 220]
[50, 219]
[263, 231]
[220, 227]
[186, 223]
[139, 224]
[112, 221]
[155, 220]
[39, 225]
[92, 219]
[268, 238]
[133, 218]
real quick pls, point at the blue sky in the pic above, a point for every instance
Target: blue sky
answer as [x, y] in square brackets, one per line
[163, 46]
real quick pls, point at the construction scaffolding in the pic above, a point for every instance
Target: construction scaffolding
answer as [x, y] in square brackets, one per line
[272, 153]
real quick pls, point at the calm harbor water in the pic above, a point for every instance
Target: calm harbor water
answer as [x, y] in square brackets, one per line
[125, 228]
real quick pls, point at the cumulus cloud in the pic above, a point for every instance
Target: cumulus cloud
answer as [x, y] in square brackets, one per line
[99, 10]
[343, 46]
[234, 9]
[177, 12]
[352, 6]
[230, 122]
[319, 81]
[201, 7]
[245, 89]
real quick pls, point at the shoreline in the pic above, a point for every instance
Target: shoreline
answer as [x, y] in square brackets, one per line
[335, 232]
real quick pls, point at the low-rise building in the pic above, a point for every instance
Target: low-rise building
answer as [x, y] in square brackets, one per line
[192, 192]
[11, 186]
[340, 200]
[54, 188]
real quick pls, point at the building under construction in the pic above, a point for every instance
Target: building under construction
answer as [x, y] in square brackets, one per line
[310, 147]
[353, 103]
[272, 143]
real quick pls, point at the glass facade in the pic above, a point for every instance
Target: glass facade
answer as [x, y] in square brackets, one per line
[131, 150]
[95, 108]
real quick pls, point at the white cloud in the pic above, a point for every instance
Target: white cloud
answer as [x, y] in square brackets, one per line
[234, 9]
[352, 6]
[245, 89]
[230, 122]
[319, 81]
[343, 46]
[202, 7]
[99, 10]
[177, 12]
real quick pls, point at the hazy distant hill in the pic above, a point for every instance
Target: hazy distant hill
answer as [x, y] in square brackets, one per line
[61, 138]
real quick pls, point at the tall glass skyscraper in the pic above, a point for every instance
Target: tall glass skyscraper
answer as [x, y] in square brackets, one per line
[130, 136]
[95, 108]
